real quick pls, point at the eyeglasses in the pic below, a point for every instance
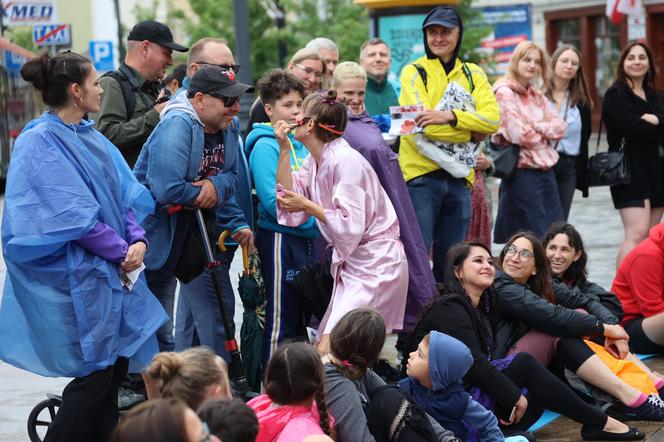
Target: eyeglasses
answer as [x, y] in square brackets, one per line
[206, 433]
[309, 71]
[234, 67]
[524, 255]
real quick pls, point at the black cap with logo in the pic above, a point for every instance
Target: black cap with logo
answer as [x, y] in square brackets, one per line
[218, 82]
[155, 32]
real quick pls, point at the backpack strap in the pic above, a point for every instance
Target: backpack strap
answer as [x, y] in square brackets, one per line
[469, 76]
[464, 68]
[423, 74]
[127, 89]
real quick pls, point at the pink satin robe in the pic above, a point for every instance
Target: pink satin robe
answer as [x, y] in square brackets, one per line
[368, 260]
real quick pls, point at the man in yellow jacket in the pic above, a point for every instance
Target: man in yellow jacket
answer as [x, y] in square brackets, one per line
[442, 202]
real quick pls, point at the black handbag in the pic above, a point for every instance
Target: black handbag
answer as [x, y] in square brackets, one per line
[193, 261]
[314, 286]
[608, 168]
[504, 162]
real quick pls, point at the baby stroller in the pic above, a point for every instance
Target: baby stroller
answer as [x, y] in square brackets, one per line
[43, 414]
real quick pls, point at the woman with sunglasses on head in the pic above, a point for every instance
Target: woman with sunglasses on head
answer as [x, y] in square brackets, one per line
[338, 187]
[517, 388]
[541, 317]
[527, 120]
[567, 89]
[308, 67]
[634, 117]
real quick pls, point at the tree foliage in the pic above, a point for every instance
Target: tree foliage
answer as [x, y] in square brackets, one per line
[341, 20]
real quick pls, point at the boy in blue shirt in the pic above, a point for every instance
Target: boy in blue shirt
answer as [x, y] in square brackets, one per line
[435, 371]
[284, 251]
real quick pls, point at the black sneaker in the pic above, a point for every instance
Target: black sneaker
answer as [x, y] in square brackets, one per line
[530, 437]
[650, 410]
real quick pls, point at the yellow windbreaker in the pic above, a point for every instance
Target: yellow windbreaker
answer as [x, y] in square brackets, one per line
[485, 119]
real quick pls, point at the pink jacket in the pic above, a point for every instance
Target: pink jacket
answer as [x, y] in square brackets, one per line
[284, 423]
[528, 119]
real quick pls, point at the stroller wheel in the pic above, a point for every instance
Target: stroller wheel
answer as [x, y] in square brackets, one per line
[41, 417]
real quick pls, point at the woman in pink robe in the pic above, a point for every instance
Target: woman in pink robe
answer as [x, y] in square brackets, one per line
[338, 187]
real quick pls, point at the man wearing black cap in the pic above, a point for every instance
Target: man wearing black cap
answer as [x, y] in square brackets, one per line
[190, 158]
[440, 191]
[129, 111]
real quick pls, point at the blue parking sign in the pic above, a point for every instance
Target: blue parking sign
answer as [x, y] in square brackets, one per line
[101, 53]
[13, 62]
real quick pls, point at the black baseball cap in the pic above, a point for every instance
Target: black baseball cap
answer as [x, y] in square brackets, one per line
[218, 82]
[155, 32]
[442, 16]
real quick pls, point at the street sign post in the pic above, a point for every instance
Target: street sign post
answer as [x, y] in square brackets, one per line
[51, 35]
[101, 53]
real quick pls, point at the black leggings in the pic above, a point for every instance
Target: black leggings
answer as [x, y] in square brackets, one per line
[573, 352]
[89, 408]
[547, 391]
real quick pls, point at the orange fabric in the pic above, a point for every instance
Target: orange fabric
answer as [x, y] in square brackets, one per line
[628, 371]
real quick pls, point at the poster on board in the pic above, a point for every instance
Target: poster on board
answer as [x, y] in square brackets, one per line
[509, 25]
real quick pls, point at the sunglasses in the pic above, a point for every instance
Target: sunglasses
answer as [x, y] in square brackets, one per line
[234, 67]
[301, 122]
[228, 101]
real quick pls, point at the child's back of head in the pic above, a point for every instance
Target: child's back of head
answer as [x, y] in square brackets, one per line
[194, 375]
[357, 340]
[230, 420]
[294, 376]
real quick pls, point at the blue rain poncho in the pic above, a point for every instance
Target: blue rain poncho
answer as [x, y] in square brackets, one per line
[64, 311]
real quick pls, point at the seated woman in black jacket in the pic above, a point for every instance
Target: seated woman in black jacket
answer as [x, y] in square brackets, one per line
[568, 258]
[537, 313]
[467, 310]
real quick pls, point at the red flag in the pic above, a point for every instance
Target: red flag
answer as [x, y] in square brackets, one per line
[612, 11]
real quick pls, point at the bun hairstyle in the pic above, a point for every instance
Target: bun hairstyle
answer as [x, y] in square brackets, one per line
[295, 374]
[357, 340]
[188, 374]
[53, 75]
[329, 114]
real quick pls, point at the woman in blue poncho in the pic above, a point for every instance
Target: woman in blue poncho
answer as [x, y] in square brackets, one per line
[70, 235]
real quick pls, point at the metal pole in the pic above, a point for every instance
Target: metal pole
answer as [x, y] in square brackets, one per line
[282, 50]
[121, 48]
[243, 51]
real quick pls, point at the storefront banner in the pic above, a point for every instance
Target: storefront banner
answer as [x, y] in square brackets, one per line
[511, 25]
[27, 12]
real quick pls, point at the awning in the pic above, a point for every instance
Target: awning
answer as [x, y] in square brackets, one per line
[16, 49]
[382, 4]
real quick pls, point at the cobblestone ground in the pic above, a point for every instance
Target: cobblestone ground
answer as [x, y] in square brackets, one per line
[602, 232]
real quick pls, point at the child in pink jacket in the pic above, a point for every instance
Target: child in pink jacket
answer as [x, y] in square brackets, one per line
[294, 406]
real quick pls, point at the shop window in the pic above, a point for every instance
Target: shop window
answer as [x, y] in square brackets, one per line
[568, 32]
[607, 44]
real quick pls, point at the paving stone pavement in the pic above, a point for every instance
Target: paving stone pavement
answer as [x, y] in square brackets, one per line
[595, 217]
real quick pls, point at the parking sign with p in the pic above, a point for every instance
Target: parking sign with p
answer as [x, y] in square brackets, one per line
[101, 53]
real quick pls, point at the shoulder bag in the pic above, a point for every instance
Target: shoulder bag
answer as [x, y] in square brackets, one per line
[608, 168]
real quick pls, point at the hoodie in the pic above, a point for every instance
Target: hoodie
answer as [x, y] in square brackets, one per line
[436, 14]
[284, 423]
[447, 401]
[528, 119]
[169, 163]
[264, 148]
[639, 283]
[484, 119]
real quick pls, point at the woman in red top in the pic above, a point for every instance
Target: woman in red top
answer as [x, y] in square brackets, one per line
[639, 285]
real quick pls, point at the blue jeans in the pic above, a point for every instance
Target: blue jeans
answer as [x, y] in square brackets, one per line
[442, 207]
[199, 319]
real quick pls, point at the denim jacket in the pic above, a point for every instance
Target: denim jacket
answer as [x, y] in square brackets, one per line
[167, 166]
